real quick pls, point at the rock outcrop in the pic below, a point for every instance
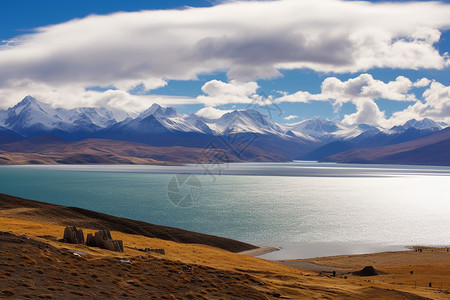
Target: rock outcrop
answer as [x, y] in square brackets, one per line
[103, 239]
[367, 271]
[73, 235]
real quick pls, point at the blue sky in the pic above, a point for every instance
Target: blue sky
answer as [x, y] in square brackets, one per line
[239, 65]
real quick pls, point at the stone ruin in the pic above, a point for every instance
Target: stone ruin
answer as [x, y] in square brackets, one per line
[160, 251]
[73, 235]
[103, 239]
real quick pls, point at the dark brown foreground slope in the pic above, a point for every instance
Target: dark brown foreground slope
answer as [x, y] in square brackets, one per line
[34, 210]
[33, 269]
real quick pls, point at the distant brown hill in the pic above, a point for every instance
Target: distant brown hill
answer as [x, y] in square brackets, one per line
[430, 150]
[49, 149]
[37, 211]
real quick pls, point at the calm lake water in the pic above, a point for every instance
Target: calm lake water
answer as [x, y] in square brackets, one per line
[308, 209]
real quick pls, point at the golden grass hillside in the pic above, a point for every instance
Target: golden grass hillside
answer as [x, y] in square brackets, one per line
[35, 264]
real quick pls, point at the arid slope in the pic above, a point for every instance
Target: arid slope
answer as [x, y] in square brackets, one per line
[36, 264]
[54, 150]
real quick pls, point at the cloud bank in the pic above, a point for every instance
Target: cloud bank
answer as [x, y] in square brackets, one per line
[435, 105]
[248, 40]
[364, 90]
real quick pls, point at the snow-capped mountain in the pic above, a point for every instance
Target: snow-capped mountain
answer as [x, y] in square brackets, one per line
[367, 136]
[245, 121]
[31, 117]
[165, 126]
[316, 127]
[425, 124]
[100, 116]
[356, 131]
[328, 131]
[158, 120]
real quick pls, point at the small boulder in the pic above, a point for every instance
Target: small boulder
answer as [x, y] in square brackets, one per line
[366, 271]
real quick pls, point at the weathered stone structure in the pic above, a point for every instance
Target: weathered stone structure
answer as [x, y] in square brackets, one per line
[103, 239]
[160, 251]
[73, 235]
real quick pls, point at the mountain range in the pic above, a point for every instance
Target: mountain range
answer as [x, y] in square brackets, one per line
[429, 150]
[31, 117]
[103, 135]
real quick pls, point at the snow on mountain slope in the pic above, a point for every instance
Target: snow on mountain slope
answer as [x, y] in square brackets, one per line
[31, 113]
[158, 119]
[302, 136]
[422, 125]
[101, 116]
[31, 117]
[158, 110]
[316, 127]
[351, 132]
[3, 115]
[329, 131]
[167, 118]
[425, 124]
[428, 150]
[245, 121]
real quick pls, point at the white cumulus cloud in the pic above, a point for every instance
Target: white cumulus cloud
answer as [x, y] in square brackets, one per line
[211, 112]
[291, 117]
[422, 82]
[246, 39]
[366, 87]
[219, 92]
[367, 112]
[435, 105]
[363, 90]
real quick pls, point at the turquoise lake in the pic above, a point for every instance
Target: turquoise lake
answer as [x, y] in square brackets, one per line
[307, 209]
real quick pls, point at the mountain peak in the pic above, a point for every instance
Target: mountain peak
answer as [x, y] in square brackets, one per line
[28, 104]
[319, 118]
[413, 124]
[316, 126]
[28, 100]
[249, 120]
[249, 113]
[155, 106]
[158, 110]
[422, 124]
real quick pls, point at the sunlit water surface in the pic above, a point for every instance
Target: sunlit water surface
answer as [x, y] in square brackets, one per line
[307, 209]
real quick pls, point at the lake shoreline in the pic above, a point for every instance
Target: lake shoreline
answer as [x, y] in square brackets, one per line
[316, 205]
